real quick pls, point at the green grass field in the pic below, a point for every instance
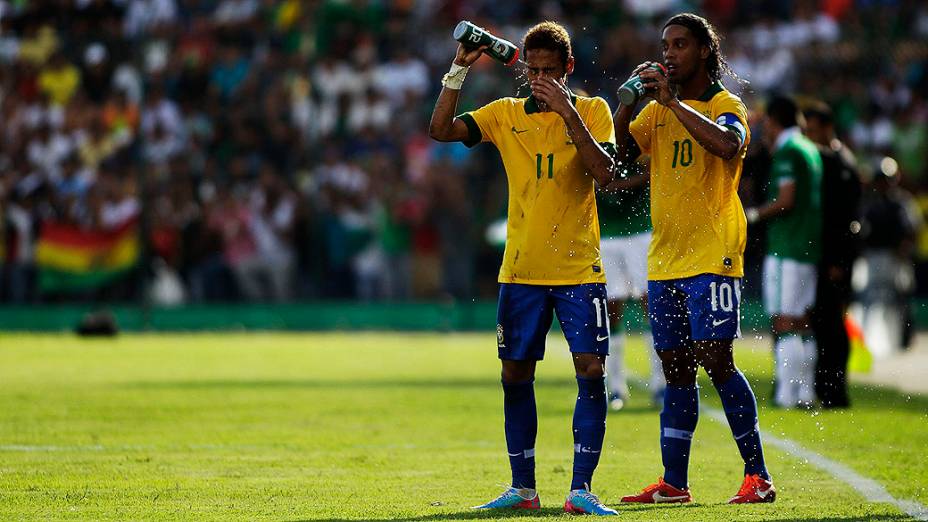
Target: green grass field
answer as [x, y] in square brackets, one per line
[381, 426]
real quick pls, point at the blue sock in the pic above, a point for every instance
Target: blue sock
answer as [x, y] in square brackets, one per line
[521, 428]
[741, 409]
[589, 429]
[678, 422]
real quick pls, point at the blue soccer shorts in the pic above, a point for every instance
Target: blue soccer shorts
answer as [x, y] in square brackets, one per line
[525, 312]
[700, 308]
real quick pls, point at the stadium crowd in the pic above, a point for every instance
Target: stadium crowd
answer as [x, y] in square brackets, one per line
[278, 150]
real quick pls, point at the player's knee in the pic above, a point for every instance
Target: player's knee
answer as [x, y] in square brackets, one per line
[517, 371]
[680, 376]
[678, 370]
[590, 366]
[720, 371]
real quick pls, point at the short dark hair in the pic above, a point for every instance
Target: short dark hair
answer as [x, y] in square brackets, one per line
[819, 110]
[707, 35]
[548, 35]
[783, 110]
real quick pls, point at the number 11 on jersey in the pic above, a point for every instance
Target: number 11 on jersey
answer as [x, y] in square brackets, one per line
[538, 158]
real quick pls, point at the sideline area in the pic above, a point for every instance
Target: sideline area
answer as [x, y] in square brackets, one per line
[904, 371]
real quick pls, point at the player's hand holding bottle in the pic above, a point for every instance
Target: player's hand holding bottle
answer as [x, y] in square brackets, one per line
[466, 56]
[654, 76]
[641, 83]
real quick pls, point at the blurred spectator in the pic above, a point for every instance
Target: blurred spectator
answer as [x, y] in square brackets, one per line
[890, 224]
[231, 219]
[47, 150]
[143, 16]
[97, 75]
[59, 80]
[19, 245]
[274, 210]
[841, 191]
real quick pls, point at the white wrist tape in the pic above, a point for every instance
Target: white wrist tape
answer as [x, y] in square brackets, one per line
[454, 79]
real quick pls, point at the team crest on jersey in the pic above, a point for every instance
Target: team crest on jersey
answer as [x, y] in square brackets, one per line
[499, 336]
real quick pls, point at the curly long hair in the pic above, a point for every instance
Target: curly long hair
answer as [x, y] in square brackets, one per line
[705, 34]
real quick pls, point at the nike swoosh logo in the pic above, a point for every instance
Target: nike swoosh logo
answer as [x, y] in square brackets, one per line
[763, 494]
[585, 450]
[515, 454]
[723, 321]
[601, 338]
[517, 131]
[658, 497]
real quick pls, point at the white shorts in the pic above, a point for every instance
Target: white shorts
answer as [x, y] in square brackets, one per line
[626, 262]
[789, 286]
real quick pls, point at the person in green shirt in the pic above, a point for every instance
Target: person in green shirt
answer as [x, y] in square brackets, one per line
[794, 230]
[625, 230]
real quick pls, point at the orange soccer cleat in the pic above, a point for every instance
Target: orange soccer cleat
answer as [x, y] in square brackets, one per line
[660, 493]
[754, 490]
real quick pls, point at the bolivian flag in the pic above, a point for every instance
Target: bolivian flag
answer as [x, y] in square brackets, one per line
[71, 259]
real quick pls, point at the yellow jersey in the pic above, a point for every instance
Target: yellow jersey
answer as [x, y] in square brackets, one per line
[699, 223]
[552, 235]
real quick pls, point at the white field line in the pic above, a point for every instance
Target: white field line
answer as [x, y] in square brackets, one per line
[871, 490]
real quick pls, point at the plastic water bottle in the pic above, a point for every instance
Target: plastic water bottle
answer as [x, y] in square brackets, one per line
[633, 89]
[473, 36]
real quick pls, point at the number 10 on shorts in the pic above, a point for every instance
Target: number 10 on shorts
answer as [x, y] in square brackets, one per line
[722, 296]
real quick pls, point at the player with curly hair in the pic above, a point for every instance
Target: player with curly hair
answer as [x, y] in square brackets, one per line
[556, 147]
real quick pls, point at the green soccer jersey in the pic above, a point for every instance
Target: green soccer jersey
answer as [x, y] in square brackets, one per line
[797, 233]
[624, 212]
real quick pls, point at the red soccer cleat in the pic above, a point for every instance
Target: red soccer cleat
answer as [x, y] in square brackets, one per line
[660, 493]
[754, 490]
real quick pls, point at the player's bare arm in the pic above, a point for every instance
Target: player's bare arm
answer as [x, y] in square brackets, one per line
[631, 182]
[596, 160]
[718, 140]
[785, 201]
[621, 120]
[444, 126]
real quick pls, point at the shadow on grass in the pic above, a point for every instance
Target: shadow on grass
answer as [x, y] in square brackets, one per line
[471, 514]
[640, 510]
[742, 512]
